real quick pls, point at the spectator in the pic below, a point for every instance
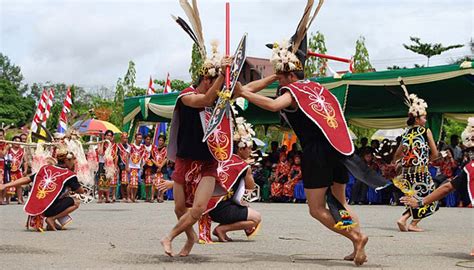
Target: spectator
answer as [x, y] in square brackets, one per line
[447, 167]
[363, 146]
[281, 176]
[274, 155]
[374, 144]
[359, 190]
[457, 151]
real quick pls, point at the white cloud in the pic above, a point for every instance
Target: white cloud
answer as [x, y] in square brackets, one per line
[90, 43]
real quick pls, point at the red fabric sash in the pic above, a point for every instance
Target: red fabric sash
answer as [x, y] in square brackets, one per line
[325, 111]
[136, 153]
[17, 158]
[228, 172]
[47, 185]
[469, 169]
[123, 152]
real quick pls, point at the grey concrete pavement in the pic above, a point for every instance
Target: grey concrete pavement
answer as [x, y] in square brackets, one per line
[126, 236]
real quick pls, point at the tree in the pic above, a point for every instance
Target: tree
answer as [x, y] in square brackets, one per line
[395, 67]
[129, 79]
[15, 108]
[429, 49]
[316, 66]
[361, 57]
[176, 85]
[12, 73]
[196, 64]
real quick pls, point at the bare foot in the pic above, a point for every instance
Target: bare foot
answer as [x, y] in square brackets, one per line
[51, 224]
[360, 256]
[402, 226]
[350, 257]
[414, 228]
[221, 236]
[188, 246]
[166, 243]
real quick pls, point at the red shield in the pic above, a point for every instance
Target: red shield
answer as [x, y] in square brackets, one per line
[324, 110]
[47, 185]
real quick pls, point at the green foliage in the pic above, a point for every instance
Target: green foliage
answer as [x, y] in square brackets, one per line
[361, 57]
[196, 63]
[15, 108]
[361, 132]
[394, 67]
[176, 85]
[129, 79]
[429, 49]
[451, 127]
[12, 73]
[316, 66]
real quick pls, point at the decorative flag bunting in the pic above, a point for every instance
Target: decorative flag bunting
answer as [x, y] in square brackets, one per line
[151, 90]
[62, 126]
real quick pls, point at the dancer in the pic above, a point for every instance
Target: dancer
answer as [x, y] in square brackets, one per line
[149, 168]
[231, 211]
[294, 176]
[17, 169]
[415, 151]
[316, 117]
[136, 155]
[3, 153]
[195, 175]
[49, 200]
[160, 160]
[105, 180]
[123, 150]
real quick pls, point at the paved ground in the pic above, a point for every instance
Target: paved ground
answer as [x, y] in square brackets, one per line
[126, 236]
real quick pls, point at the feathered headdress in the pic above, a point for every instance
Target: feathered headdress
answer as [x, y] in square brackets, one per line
[243, 134]
[468, 133]
[291, 56]
[211, 64]
[416, 106]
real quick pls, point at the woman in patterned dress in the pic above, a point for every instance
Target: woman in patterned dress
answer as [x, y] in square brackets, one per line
[415, 151]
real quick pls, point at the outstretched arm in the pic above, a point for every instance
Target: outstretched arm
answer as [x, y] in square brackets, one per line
[20, 182]
[261, 84]
[434, 150]
[207, 99]
[436, 195]
[273, 105]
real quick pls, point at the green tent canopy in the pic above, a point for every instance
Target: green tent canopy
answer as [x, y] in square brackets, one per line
[365, 98]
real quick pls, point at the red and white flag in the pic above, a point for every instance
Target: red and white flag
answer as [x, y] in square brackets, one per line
[168, 85]
[62, 126]
[49, 105]
[151, 90]
[38, 118]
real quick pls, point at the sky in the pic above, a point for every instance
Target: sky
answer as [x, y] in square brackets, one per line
[89, 43]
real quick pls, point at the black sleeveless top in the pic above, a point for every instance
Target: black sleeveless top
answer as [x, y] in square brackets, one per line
[190, 134]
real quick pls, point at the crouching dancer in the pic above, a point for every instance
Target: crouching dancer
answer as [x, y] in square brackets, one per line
[49, 199]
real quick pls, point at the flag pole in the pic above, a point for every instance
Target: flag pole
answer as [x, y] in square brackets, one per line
[227, 43]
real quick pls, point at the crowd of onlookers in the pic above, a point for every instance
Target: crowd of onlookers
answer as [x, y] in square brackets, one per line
[280, 180]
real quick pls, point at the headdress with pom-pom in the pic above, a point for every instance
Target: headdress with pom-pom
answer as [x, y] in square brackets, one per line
[243, 134]
[416, 106]
[468, 133]
[211, 64]
[290, 55]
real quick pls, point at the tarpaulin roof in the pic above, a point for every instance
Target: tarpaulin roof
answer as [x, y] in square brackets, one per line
[365, 97]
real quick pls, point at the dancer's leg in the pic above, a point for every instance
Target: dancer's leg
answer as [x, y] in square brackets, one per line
[253, 219]
[201, 198]
[317, 208]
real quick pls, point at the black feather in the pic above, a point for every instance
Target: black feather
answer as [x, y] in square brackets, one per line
[186, 29]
